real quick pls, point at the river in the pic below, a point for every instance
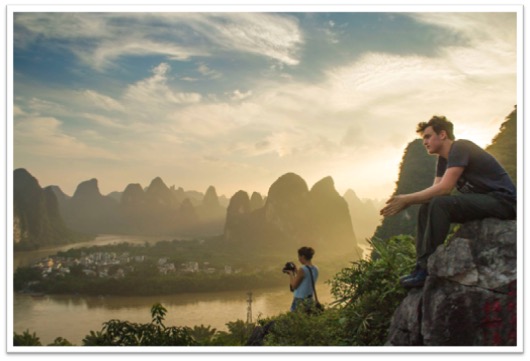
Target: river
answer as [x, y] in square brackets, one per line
[73, 317]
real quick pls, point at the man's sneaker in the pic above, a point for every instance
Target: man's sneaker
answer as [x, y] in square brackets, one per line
[412, 274]
[416, 279]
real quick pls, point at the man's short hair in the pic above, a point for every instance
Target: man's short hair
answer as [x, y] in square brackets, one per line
[438, 123]
[307, 252]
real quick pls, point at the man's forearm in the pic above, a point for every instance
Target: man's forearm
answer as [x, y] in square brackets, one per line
[426, 195]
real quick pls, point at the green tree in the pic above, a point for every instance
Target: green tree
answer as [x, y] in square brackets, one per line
[26, 339]
[504, 145]
[125, 333]
[59, 341]
[203, 335]
[24, 276]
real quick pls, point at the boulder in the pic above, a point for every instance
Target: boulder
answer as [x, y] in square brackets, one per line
[470, 295]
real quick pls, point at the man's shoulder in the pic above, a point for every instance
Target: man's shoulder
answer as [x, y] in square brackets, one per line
[465, 144]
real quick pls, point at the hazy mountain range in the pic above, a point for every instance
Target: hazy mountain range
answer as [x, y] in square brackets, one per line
[37, 221]
[289, 214]
[293, 216]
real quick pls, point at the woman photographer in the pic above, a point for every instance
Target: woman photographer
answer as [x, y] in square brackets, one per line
[302, 280]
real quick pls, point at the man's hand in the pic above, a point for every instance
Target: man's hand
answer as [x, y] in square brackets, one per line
[394, 205]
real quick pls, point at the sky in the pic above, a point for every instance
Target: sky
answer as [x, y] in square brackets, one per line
[237, 99]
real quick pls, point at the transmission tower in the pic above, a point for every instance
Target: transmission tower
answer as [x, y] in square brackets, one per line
[249, 307]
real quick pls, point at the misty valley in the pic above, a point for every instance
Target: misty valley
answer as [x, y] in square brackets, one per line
[233, 242]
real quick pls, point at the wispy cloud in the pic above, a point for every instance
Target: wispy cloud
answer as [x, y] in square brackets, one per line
[102, 101]
[100, 39]
[277, 37]
[46, 137]
[210, 73]
[154, 92]
[239, 95]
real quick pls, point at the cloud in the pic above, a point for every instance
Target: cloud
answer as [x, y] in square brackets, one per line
[354, 135]
[475, 27]
[212, 123]
[44, 136]
[64, 26]
[237, 95]
[154, 92]
[105, 121]
[206, 71]
[102, 101]
[274, 36]
[489, 40]
[41, 106]
[100, 39]
[107, 52]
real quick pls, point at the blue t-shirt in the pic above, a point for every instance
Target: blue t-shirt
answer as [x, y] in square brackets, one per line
[305, 288]
[482, 172]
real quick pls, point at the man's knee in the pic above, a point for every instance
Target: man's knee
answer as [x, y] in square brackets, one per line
[441, 202]
[424, 209]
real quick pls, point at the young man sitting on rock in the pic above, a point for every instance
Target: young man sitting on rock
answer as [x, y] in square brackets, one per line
[485, 190]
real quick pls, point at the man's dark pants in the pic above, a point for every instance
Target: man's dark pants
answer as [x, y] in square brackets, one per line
[435, 218]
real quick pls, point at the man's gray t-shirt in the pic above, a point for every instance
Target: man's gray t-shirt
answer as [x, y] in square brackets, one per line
[482, 172]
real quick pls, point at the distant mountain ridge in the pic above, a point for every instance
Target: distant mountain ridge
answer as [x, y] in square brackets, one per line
[89, 211]
[293, 216]
[154, 210]
[36, 218]
[159, 210]
[364, 215]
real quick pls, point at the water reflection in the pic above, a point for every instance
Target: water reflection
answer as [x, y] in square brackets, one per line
[118, 302]
[73, 317]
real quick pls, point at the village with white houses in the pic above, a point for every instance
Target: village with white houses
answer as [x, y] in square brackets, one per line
[112, 265]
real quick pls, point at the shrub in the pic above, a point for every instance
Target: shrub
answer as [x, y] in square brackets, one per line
[300, 329]
[238, 334]
[125, 333]
[26, 339]
[368, 292]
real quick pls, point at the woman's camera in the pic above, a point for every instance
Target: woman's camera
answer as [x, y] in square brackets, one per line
[289, 266]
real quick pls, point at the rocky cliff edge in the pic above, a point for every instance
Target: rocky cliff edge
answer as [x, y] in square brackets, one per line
[470, 296]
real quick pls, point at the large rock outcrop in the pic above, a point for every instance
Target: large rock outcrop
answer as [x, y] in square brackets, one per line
[91, 212]
[469, 298]
[210, 213]
[293, 216]
[36, 218]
